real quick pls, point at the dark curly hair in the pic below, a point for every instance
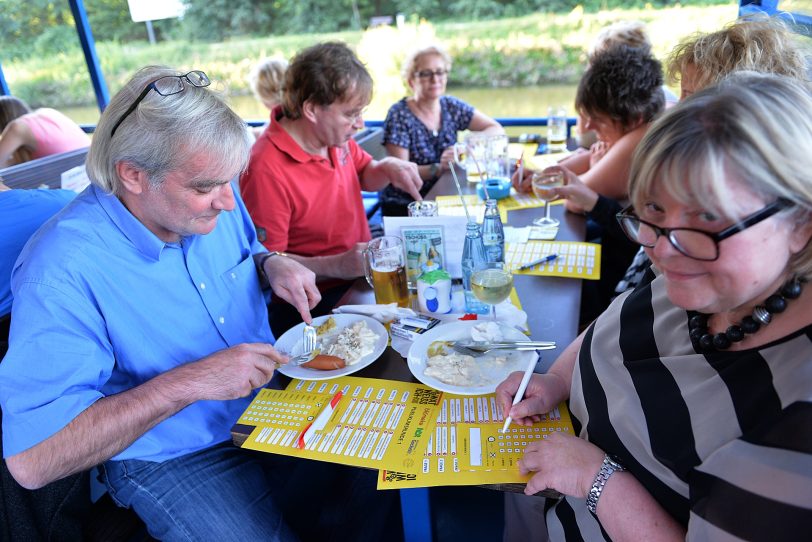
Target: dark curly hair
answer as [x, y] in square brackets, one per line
[324, 73]
[624, 83]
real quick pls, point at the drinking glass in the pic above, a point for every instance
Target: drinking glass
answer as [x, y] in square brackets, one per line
[492, 283]
[556, 129]
[543, 186]
[385, 270]
[422, 208]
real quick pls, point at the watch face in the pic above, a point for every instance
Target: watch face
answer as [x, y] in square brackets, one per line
[615, 462]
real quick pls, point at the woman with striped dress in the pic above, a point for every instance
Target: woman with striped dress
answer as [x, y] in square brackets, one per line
[692, 394]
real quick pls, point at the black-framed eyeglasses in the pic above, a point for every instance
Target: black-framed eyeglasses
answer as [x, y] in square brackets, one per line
[166, 86]
[427, 74]
[696, 244]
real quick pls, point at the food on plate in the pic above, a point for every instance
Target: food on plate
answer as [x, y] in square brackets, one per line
[461, 369]
[438, 348]
[351, 343]
[323, 362]
[488, 332]
[326, 326]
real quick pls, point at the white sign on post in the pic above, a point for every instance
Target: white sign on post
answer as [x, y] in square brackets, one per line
[154, 10]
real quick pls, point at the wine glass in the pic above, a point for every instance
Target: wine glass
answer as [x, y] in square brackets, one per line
[492, 283]
[544, 185]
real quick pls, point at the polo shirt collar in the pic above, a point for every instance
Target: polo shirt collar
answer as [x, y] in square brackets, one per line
[139, 235]
[283, 141]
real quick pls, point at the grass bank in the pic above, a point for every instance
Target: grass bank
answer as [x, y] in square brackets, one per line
[529, 50]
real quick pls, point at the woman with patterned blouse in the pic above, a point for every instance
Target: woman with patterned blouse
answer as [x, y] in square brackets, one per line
[423, 128]
[692, 394]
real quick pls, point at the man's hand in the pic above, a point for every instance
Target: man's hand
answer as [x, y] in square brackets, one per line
[230, 373]
[294, 283]
[403, 175]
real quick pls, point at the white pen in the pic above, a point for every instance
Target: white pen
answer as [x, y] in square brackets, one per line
[544, 259]
[531, 365]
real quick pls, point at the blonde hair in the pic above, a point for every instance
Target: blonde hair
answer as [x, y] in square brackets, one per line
[267, 80]
[745, 128]
[631, 33]
[760, 44]
[410, 64]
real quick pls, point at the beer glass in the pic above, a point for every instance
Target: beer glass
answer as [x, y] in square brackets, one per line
[385, 269]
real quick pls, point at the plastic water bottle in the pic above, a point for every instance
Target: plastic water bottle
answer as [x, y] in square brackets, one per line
[473, 254]
[493, 234]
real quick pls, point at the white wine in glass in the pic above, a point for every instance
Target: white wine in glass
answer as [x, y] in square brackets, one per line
[492, 283]
[544, 185]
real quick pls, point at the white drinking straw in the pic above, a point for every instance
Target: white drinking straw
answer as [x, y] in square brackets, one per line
[459, 190]
[528, 372]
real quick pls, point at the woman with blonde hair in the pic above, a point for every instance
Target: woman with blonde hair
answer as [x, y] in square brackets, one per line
[759, 44]
[422, 128]
[692, 395]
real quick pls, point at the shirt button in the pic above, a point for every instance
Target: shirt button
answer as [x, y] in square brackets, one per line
[234, 275]
[222, 320]
[202, 285]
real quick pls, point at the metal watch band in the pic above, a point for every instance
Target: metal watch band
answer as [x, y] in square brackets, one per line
[608, 467]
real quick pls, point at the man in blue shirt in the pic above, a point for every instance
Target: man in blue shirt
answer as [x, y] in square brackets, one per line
[140, 327]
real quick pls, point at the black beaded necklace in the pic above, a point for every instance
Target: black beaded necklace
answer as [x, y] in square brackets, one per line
[704, 341]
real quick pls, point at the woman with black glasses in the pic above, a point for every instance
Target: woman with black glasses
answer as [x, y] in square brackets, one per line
[692, 394]
[423, 127]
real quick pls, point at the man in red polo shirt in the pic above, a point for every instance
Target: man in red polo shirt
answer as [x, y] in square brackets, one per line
[304, 179]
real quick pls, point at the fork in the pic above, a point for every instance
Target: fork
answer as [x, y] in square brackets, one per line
[485, 350]
[309, 339]
[309, 347]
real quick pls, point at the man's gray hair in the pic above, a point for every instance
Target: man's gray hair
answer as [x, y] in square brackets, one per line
[164, 132]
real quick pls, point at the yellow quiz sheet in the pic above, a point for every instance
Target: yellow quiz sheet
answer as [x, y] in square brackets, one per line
[374, 423]
[467, 446]
[573, 259]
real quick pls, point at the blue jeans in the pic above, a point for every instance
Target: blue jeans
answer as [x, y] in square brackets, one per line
[225, 493]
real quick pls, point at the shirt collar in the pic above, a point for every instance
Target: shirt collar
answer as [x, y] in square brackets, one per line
[139, 235]
[283, 141]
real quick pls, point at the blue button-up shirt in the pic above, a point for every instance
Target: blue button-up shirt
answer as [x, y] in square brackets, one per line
[102, 305]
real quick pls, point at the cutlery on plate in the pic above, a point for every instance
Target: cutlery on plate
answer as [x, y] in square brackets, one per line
[478, 345]
[480, 349]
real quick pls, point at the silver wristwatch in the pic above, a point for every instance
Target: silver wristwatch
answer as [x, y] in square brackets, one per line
[609, 466]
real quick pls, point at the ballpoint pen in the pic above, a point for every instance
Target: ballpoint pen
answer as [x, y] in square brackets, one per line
[320, 421]
[528, 372]
[544, 259]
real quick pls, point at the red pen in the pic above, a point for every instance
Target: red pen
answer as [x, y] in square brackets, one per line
[320, 421]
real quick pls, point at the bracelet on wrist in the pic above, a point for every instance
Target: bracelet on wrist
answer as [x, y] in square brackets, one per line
[264, 258]
[609, 466]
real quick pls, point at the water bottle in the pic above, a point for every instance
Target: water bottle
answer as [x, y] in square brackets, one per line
[473, 254]
[493, 235]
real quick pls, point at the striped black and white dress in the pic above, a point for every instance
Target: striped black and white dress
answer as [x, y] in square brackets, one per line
[723, 441]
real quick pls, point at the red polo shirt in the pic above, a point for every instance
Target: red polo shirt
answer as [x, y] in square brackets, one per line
[302, 203]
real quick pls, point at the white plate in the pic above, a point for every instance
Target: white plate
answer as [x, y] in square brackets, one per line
[291, 343]
[456, 331]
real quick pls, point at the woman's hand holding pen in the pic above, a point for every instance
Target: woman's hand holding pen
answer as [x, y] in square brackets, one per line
[543, 393]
